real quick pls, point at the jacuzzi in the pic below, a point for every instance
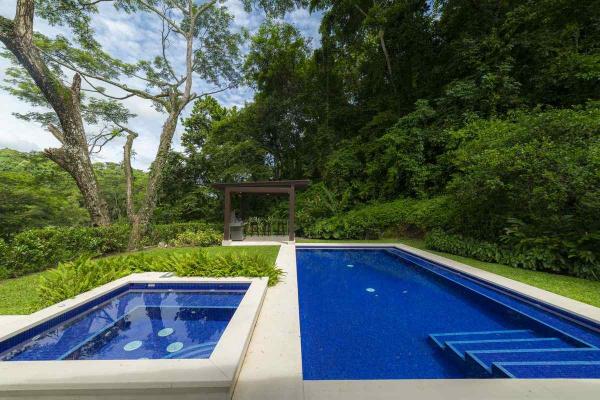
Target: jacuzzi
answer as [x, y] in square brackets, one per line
[143, 336]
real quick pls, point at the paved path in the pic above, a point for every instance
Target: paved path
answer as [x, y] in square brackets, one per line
[272, 368]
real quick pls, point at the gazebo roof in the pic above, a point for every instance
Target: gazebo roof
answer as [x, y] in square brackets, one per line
[298, 184]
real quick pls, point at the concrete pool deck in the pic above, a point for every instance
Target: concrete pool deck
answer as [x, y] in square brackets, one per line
[273, 365]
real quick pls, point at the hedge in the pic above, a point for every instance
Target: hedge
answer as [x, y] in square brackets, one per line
[403, 216]
[38, 249]
[534, 258]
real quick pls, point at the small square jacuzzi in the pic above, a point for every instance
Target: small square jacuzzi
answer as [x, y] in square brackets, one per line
[145, 335]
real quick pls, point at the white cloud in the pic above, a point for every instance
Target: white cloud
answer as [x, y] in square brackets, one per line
[130, 38]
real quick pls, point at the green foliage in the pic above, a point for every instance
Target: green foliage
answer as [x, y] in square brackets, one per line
[82, 274]
[169, 232]
[72, 278]
[403, 216]
[4, 259]
[533, 180]
[198, 238]
[314, 203]
[538, 255]
[39, 249]
[35, 192]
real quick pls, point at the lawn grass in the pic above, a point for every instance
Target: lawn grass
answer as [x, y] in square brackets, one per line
[19, 295]
[575, 288]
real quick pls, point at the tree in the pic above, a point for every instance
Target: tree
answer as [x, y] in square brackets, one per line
[43, 86]
[211, 53]
[276, 67]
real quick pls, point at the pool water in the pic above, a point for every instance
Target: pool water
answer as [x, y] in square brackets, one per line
[138, 324]
[386, 314]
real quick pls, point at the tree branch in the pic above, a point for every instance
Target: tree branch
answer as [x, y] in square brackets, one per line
[385, 53]
[202, 9]
[360, 10]
[197, 96]
[57, 133]
[164, 38]
[24, 20]
[162, 15]
[136, 92]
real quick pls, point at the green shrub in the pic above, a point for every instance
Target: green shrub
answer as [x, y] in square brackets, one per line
[4, 259]
[38, 249]
[540, 167]
[74, 277]
[168, 232]
[542, 254]
[209, 237]
[403, 216]
[78, 276]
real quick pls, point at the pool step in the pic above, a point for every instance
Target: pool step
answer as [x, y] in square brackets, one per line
[440, 339]
[479, 363]
[547, 370]
[203, 350]
[457, 349]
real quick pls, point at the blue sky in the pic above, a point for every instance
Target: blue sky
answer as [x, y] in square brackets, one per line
[130, 38]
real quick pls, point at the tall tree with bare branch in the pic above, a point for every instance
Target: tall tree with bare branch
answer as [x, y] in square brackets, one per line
[196, 42]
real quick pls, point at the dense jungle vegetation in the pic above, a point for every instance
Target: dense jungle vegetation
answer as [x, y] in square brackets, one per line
[474, 123]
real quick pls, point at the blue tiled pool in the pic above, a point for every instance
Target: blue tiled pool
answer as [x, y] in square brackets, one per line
[137, 321]
[388, 314]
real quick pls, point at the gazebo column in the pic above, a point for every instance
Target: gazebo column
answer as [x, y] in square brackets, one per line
[292, 214]
[227, 214]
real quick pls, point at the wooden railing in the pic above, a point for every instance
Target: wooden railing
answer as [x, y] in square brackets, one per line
[255, 226]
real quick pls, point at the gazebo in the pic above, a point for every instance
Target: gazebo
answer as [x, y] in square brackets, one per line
[286, 187]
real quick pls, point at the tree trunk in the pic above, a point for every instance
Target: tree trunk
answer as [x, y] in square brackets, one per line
[73, 156]
[141, 220]
[388, 62]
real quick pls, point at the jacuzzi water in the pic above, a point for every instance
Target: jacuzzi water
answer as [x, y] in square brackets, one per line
[388, 314]
[134, 322]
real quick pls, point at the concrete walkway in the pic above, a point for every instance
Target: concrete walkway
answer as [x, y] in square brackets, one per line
[273, 365]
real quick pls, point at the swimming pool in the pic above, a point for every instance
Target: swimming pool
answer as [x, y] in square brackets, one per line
[383, 313]
[139, 321]
[146, 335]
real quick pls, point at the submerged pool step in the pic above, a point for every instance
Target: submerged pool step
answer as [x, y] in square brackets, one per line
[458, 349]
[440, 339]
[547, 370]
[203, 350]
[479, 363]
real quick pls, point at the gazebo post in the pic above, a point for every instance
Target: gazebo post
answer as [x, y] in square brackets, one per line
[227, 214]
[292, 214]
